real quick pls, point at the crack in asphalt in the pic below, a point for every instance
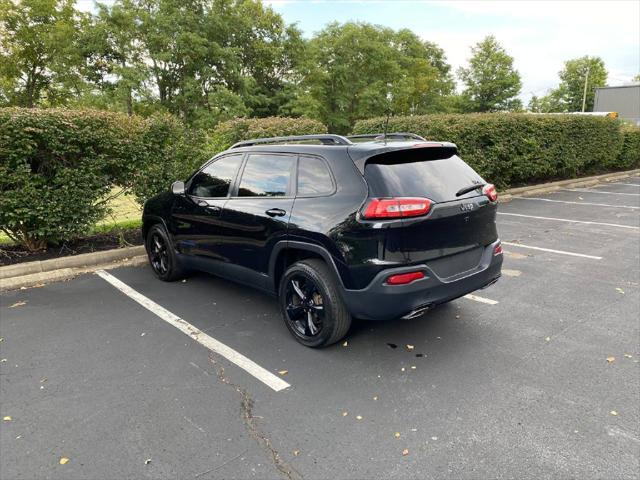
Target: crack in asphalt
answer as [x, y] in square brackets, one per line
[246, 409]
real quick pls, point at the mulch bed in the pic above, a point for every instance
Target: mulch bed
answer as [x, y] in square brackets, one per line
[12, 254]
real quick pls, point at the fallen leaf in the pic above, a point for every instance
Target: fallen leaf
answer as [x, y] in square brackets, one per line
[580, 198]
[18, 304]
[358, 417]
[402, 369]
[392, 345]
[410, 347]
[344, 414]
[614, 413]
[405, 452]
[296, 453]
[414, 429]
[397, 434]
[43, 379]
[375, 398]
[345, 344]
[1, 339]
[63, 461]
[434, 438]
[6, 418]
[457, 316]
[3, 360]
[628, 355]
[420, 355]
[147, 461]
[143, 334]
[283, 372]
[413, 367]
[547, 339]
[184, 280]
[611, 359]
[620, 291]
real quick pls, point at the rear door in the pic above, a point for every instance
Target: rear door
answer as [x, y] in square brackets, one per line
[257, 214]
[452, 237]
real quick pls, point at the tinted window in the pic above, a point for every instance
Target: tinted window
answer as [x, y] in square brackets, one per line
[266, 176]
[215, 179]
[313, 177]
[438, 180]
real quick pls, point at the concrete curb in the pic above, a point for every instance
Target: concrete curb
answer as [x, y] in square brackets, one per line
[60, 274]
[75, 261]
[543, 188]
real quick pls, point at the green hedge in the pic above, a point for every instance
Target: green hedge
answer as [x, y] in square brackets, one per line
[58, 166]
[517, 149]
[227, 133]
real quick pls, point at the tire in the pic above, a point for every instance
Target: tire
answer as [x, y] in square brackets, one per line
[327, 312]
[162, 256]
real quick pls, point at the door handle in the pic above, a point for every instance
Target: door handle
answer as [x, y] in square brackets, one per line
[276, 212]
[205, 204]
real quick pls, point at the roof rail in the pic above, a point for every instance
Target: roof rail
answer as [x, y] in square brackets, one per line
[396, 135]
[325, 139]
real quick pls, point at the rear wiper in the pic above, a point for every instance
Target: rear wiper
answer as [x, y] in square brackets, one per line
[470, 188]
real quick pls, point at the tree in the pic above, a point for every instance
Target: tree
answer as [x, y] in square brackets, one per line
[491, 82]
[39, 57]
[636, 78]
[568, 96]
[357, 70]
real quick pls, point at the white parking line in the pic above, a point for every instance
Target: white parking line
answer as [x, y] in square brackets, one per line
[629, 184]
[631, 227]
[600, 191]
[252, 368]
[476, 298]
[561, 252]
[577, 203]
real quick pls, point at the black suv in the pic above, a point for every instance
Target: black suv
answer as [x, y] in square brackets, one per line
[371, 226]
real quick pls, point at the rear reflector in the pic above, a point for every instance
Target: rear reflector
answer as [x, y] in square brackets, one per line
[404, 278]
[397, 207]
[490, 191]
[497, 250]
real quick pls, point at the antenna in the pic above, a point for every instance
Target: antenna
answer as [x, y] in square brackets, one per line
[386, 126]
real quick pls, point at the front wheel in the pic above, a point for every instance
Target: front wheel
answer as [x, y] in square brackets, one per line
[311, 305]
[162, 257]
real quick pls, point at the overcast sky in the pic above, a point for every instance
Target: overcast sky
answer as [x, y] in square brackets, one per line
[540, 35]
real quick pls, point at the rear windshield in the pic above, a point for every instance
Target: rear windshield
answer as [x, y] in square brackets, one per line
[438, 180]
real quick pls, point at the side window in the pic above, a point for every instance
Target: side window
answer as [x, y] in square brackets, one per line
[215, 179]
[266, 175]
[313, 177]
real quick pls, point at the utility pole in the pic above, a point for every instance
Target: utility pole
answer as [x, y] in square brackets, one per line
[586, 80]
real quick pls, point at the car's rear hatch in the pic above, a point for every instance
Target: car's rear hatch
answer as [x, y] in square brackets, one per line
[452, 236]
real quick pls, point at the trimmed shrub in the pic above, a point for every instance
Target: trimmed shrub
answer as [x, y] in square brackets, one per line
[517, 149]
[630, 154]
[56, 167]
[227, 133]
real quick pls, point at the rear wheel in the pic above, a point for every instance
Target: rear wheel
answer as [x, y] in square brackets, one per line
[311, 305]
[162, 257]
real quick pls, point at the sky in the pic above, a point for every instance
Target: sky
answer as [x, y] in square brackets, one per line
[540, 35]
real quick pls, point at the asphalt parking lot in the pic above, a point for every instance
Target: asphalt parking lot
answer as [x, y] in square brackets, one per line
[538, 378]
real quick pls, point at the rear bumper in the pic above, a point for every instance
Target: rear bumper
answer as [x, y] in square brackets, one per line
[379, 301]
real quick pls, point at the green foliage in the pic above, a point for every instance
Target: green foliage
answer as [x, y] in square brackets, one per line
[569, 94]
[517, 149]
[491, 82]
[630, 154]
[39, 52]
[228, 133]
[55, 168]
[357, 70]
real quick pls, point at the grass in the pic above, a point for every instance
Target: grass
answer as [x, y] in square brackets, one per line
[126, 214]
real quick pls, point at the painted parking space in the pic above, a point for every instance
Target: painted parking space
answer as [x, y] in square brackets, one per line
[471, 389]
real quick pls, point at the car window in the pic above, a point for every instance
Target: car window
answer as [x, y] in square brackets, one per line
[214, 180]
[266, 175]
[313, 177]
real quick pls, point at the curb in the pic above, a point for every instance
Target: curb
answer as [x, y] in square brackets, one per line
[60, 274]
[543, 188]
[75, 261]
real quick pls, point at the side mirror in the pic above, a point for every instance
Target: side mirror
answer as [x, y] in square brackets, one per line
[178, 188]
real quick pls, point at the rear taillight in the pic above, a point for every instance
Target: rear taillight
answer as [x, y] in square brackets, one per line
[397, 207]
[490, 191]
[497, 250]
[404, 278]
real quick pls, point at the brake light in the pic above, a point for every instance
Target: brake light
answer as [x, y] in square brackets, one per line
[497, 250]
[397, 207]
[404, 278]
[490, 191]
